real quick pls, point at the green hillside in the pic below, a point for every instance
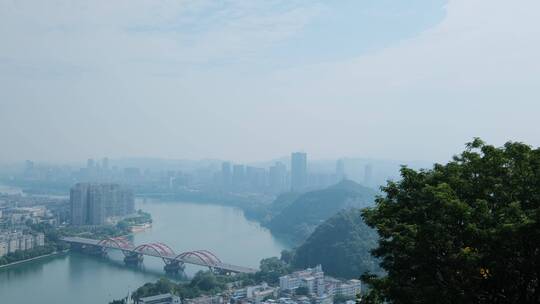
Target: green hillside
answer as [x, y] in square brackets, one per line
[342, 245]
[300, 218]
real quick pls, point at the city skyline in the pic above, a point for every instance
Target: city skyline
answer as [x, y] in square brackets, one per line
[294, 172]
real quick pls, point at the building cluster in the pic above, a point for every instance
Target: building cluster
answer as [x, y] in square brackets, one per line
[317, 286]
[277, 178]
[18, 241]
[15, 216]
[254, 294]
[204, 176]
[94, 171]
[99, 204]
[309, 286]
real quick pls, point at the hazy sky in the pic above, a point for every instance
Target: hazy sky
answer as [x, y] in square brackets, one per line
[252, 80]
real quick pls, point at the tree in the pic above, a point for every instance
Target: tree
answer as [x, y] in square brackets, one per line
[464, 232]
[287, 256]
[206, 281]
[342, 245]
[151, 289]
[271, 269]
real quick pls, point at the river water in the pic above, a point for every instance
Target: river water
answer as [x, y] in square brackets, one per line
[184, 226]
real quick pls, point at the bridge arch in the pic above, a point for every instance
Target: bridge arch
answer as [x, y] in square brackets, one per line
[163, 251]
[212, 255]
[117, 242]
[206, 257]
[165, 248]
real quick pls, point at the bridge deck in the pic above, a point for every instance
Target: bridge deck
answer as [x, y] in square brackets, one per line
[187, 259]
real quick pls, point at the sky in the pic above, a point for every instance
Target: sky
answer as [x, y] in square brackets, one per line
[250, 80]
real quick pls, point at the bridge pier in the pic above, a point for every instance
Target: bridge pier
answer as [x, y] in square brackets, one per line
[93, 250]
[174, 267]
[133, 259]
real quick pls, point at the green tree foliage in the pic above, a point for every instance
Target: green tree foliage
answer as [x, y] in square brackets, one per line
[204, 282]
[52, 235]
[21, 255]
[283, 201]
[342, 244]
[287, 256]
[270, 270]
[464, 232]
[207, 281]
[151, 289]
[300, 218]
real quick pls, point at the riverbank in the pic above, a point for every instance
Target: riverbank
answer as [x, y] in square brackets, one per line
[35, 258]
[222, 230]
[255, 207]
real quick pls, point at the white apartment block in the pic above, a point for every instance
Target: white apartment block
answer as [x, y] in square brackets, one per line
[311, 278]
[318, 285]
[350, 288]
[4, 249]
[13, 241]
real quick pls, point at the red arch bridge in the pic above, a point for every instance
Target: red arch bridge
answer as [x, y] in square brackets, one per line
[173, 261]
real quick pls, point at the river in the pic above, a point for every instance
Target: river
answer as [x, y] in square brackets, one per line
[77, 278]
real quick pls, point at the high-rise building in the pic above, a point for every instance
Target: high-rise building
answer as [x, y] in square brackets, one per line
[278, 177]
[93, 204]
[78, 197]
[340, 170]
[226, 175]
[256, 178]
[238, 175]
[28, 168]
[298, 171]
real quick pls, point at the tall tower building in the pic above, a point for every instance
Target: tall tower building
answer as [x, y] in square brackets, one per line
[99, 204]
[238, 175]
[226, 175]
[93, 204]
[278, 177]
[298, 171]
[78, 197]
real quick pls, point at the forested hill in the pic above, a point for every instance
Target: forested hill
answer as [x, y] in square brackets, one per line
[300, 218]
[342, 244]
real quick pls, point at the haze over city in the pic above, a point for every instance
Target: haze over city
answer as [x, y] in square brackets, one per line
[255, 80]
[269, 151]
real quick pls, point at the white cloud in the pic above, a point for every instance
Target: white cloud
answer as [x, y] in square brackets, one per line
[126, 33]
[474, 74]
